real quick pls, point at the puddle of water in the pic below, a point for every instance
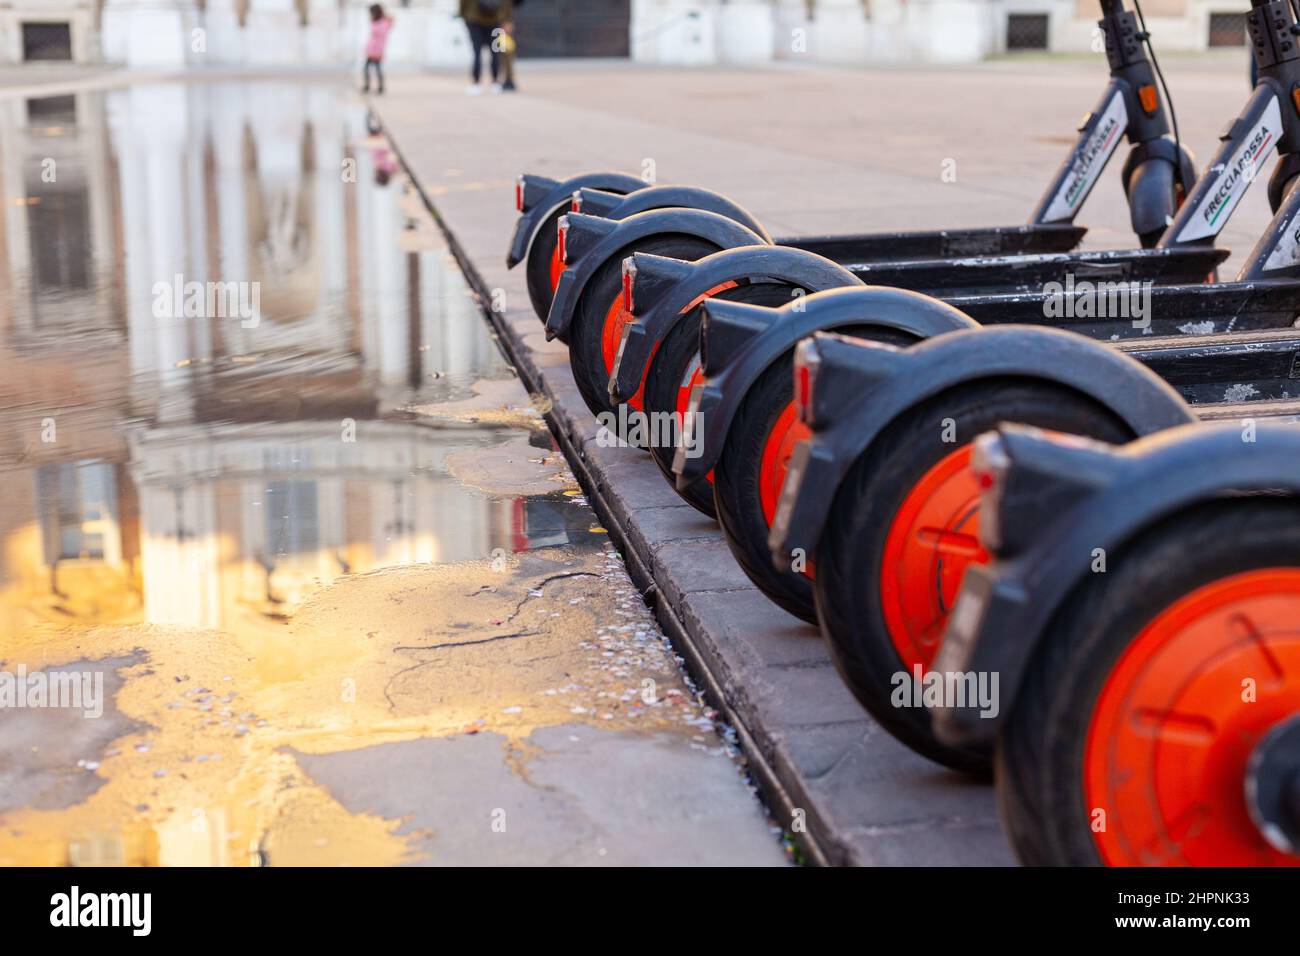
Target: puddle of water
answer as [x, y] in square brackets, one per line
[188, 469]
[239, 376]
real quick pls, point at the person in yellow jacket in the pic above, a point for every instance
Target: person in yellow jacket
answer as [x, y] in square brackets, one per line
[486, 20]
[506, 36]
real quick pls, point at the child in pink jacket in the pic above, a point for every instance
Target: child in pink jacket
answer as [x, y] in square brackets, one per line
[380, 24]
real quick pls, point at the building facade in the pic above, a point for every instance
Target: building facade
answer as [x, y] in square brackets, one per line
[183, 33]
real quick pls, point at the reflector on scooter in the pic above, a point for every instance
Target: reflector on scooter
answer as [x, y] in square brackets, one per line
[519, 194]
[807, 361]
[629, 280]
[1147, 97]
[562, 242]
[990, 461]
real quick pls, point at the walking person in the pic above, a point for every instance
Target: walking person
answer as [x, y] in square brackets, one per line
[483, 18]
[380, 24]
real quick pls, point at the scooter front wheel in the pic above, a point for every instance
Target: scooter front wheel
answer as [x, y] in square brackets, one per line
[901, 532]
[1146, 717]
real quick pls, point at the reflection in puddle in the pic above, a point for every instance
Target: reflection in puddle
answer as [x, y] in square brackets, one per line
[201, 470]
[180, 486]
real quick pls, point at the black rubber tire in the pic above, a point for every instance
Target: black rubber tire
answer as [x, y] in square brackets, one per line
[1039, 764]
[586, 355]
[537, 265]
[736, 479]
[849, 556]
[678, 352]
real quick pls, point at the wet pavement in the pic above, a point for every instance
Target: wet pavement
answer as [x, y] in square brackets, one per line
[291, 571]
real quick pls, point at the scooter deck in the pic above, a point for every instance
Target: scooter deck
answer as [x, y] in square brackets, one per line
[1166, 310]
[1285, 409]
[1028, 274]
[1225, 369]
[881, 247]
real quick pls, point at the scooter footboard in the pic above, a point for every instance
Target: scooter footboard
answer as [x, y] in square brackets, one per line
[941, 243]
[1113, 311]
[1035, 273]
[1226, 368]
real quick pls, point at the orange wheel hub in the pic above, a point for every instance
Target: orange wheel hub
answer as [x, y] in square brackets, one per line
[786, 432]
[1177, 718]
[930, 543]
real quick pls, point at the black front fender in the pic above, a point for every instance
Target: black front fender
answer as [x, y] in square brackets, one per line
[848, 417]
[710, 226]
[687, 197]
[542, 195]
[805, 270]
[739, 342]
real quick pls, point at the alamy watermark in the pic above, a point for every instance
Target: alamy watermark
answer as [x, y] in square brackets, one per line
[1086, 299]
[69, 690]
[638, 429]
[177, 299]
[949, 689]
[133, 911]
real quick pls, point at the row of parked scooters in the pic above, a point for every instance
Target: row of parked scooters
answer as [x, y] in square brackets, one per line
[978, 459]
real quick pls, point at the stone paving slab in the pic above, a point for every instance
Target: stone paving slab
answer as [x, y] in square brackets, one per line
[807, 151]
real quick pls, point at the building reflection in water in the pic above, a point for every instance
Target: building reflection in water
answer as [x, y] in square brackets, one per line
[197, 472]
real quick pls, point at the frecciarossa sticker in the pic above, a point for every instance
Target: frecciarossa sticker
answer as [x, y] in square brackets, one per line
[1233, 178]
[1089, 160]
